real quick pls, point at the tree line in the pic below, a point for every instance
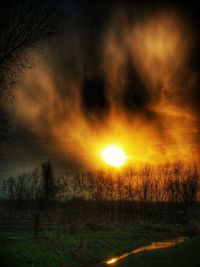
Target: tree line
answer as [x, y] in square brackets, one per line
[173, 183]
[167, 192]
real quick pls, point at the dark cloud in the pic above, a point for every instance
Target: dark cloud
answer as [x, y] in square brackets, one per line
[136, 96]
[95, 103]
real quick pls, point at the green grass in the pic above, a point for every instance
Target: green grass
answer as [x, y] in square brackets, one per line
[73, 249]
[83, 249]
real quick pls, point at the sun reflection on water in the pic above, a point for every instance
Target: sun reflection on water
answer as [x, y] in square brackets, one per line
[152, 246]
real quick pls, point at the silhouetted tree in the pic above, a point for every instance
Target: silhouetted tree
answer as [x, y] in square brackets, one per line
[35, 185]
[24, 24]
[4, 189]
[11, 188]
[22, 188]
[48, 181]
[145, 188]
[189, 190]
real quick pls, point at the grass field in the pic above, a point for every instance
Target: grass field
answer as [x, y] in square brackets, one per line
[89, 248]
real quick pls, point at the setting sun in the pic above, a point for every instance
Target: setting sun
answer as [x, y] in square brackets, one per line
[114, 156]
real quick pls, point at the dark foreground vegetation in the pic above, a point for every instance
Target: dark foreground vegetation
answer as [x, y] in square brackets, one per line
[83, 219]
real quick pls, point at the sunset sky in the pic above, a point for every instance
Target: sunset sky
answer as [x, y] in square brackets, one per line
[120, 74]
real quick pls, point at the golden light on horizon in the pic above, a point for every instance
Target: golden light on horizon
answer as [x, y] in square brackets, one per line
[113, 156]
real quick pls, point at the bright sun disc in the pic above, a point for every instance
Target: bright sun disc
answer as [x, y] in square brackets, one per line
[113, 156]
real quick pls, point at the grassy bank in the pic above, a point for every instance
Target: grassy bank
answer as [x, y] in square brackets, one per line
[78, 249]
[89, 248]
